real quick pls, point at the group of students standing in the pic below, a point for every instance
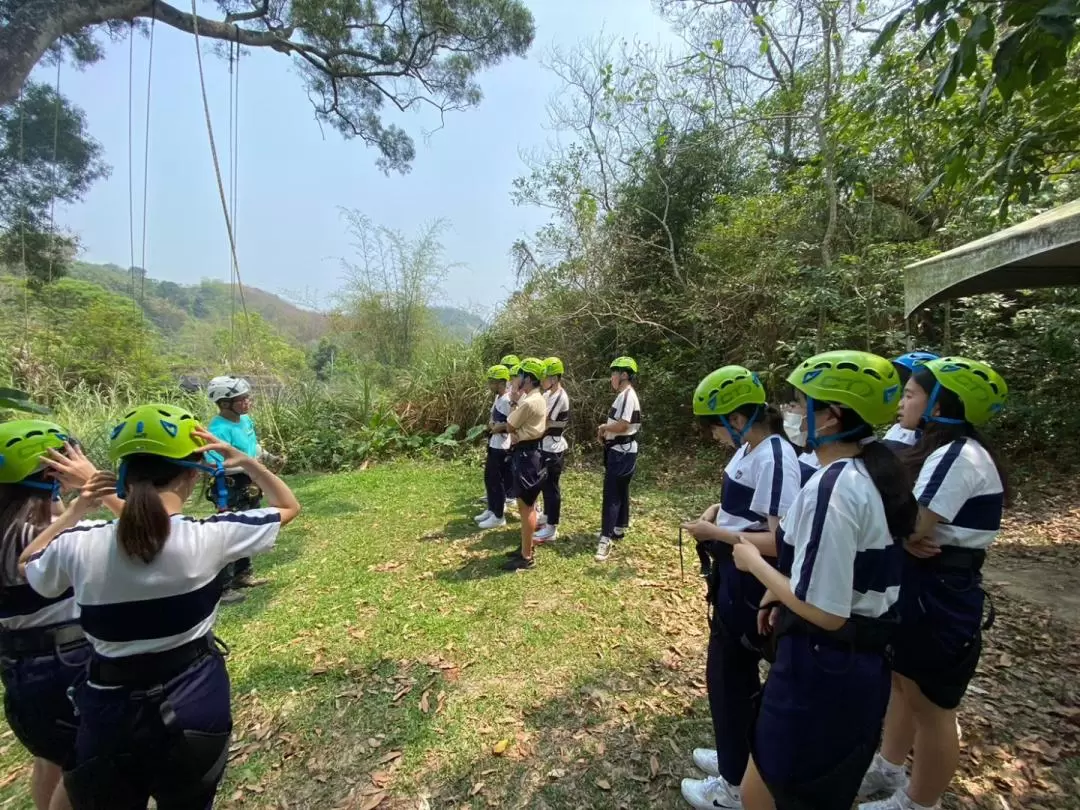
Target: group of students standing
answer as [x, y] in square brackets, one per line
[854, 569]
[527, 448]
[113, 679]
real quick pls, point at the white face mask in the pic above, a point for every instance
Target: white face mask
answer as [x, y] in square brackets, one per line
[793, 427]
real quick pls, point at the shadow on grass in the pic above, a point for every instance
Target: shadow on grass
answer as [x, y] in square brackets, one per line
[587, 747]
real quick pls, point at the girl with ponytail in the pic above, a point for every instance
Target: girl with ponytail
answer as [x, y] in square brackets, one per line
[155, 712]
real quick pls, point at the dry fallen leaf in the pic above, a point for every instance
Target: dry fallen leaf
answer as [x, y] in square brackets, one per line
[425, 705]
[476, 789]
[654, 766]
[603, 784]
[390, 757]
[500, 747]
[373, 801]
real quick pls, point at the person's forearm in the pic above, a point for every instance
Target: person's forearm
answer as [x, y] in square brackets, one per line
[764, 541]
[277, 492]
[780, 587]
[67, 520]
[617, 429]
[113, 504]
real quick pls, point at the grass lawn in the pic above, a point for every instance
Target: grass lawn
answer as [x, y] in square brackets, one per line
[390, 663]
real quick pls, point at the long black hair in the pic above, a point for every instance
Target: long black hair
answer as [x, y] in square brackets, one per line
[890, 476]
[20, 506]
[767, 415]
[936, 435]
[144, 525]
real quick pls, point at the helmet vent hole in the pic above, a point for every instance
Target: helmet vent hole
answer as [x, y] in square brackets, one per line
[34, 433]
[869, 372]
[129, 414]
[14, 441]
[847, 366]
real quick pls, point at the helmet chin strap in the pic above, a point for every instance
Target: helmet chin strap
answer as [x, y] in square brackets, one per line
[737, 436]
[52, 487]
[813, 441]
[928, 415]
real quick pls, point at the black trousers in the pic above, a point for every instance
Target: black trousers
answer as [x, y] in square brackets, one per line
[619, 469]
[497, 475]
[552, 494]
[732, 680]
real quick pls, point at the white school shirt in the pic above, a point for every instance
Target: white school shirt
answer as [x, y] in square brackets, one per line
[500, 412]
[835, 542]
[21, 607]
[758, 483]
[960, 483]
[558, 417]
[899, 438]
[626, 407]
[129, 607]
[808, 465]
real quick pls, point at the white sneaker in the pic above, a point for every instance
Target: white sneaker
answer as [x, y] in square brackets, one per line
[483, 516]
[882, 777]
[898, 801]
[541, 519]
[705, 759]
[493, 523]
[711, 794]
[603, 549]
[546, 534]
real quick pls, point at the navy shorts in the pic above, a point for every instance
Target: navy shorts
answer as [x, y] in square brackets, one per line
[36, 702]
[939, 641]
[820, 720]
[125, 753]
[529, 472]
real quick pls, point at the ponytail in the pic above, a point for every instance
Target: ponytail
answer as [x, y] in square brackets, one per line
[143, 526]
[891, 478]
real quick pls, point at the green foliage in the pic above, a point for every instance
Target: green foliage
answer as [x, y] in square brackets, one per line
[46, 157]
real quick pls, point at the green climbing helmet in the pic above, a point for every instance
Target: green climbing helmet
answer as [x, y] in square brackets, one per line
[981, 389]
[534, 366]
[726, 389]
[553, 367]
[864, 382]
[624, 364]
[510, 361]
[23, 442]
[499, 372]
[156, 430]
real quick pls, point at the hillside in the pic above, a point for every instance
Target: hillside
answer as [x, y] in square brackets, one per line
[458, 324]
[170, 305]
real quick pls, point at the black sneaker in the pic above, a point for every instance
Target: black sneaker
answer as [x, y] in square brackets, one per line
[518, 563]
[514, 553]
[232, 597]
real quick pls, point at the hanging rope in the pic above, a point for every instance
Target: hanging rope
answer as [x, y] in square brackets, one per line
[22, 224]
[232, 203]
[217, 169]
[52, 207]
[146, 159]
[131, 155]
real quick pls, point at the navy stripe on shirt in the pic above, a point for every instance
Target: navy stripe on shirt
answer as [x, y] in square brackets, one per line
[877, 569]
[22, 600]
[777, 477]
[151, 618]
[937, 478]
[785, 554]
[981, 513]
[238, 517]
[806, 472]
[821, 508]
[735, 499]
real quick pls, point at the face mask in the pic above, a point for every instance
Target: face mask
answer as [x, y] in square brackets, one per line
[793, 427]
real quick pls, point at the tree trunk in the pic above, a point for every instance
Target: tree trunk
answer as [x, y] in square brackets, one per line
[37, 24]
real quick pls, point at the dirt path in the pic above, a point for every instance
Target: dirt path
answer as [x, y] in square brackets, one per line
[1040, 582]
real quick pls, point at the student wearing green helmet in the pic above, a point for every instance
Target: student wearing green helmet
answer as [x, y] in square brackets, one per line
[497, 473]
[619, 437]
[759, 485]
[154, 713]
[837, 584]
[553, 448]
[961, 489]
[43, 651]
[528, 422]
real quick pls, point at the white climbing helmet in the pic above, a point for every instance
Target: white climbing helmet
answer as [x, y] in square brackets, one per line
[228, 388]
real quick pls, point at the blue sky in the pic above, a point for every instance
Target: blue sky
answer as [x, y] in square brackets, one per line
[294, 178]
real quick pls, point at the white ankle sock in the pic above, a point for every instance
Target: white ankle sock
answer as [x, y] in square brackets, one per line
[889, 767]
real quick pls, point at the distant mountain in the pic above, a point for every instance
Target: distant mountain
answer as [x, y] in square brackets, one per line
[169, 305]
[459, 324]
